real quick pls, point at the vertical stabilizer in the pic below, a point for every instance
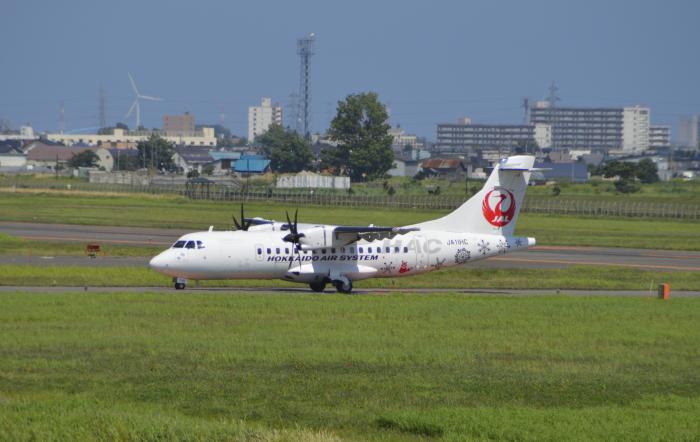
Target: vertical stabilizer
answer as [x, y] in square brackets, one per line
[495, 208]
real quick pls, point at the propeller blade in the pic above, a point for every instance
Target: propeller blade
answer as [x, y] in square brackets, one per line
[296, 212]
[131, 109]
[148, 97]
[235, 222]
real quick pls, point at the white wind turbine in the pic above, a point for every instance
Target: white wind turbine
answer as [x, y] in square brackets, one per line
[136, 105]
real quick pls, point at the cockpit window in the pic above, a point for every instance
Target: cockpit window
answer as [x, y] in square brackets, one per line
[179, 244]
[189, 245]
[200, 245]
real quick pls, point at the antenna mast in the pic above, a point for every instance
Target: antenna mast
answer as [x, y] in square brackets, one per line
[103, 108]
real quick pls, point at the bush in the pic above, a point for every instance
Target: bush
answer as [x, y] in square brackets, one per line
[627, 186]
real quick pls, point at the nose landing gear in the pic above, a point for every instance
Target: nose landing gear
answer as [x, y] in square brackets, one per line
[180, 283]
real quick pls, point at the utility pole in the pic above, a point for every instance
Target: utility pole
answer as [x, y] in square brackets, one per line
[62, 117]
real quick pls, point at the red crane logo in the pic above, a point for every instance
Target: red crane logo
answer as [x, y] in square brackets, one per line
[502, 212]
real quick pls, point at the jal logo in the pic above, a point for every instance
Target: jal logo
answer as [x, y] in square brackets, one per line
[499, 207]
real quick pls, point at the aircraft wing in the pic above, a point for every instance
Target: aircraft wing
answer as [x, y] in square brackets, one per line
[368, 233]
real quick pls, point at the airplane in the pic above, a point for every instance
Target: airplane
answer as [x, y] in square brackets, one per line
[318, 254]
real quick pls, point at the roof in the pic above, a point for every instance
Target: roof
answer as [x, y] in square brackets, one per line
[123, 152]
[6, 149]
[251, 164]
[218, 155]
[441, 164]
[52, 153]
[194, 155]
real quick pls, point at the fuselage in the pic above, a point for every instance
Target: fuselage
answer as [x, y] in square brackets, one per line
[265, 255]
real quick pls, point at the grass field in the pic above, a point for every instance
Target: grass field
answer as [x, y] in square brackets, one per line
[575, 277]
[174, 212]
[310, 367]
[12, 245]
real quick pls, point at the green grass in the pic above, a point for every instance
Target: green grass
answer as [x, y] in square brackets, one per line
[197, 367]
[574, 277]
[174, 212]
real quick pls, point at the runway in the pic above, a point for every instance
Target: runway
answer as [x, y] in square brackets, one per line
[301, 290]
[538, 257]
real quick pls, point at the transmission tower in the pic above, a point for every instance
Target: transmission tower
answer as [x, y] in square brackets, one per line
[553, 98]
[103, 108]
[292, 112]
[305, 49]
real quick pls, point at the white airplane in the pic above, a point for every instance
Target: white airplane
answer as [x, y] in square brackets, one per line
[318, 254]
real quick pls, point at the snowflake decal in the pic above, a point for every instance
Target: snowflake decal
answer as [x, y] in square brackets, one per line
[484, 247]
[462, 256]
[502, 246]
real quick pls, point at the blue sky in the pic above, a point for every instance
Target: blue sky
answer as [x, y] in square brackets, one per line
[430, 62]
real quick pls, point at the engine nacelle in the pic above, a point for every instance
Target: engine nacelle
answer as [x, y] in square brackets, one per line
[317, 238]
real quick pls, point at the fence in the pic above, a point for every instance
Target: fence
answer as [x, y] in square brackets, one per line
[558, 205]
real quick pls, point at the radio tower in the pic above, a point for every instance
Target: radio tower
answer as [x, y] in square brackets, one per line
[305, 49]
[103, 108]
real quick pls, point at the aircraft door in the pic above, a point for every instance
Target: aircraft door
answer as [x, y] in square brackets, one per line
[422, 253]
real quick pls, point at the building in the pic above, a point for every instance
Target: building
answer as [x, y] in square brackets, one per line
[659, 137]
[11, 158]
[179, 125]
[310, 180]
[405, 167]
[26, 133]
[596, 128]
[252, 164]
[401, 140]
[450, 168]
[575, 172]
[204, 137]
[260, 118]
[689, 131]
[192, 158]
[465, 136]
[43, 155]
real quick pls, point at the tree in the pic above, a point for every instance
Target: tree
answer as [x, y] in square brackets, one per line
[156, 153]
[625, 171]
[647, 172]
[86, 158]
[287, 150]
[364, 144]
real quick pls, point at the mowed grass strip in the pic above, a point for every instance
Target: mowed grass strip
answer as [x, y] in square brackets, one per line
[176, 212]
[574, 277]
[192, 366]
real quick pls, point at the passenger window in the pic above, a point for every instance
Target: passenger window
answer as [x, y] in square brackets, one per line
[179, 244]
[342, 250]
[200, 245]
[352, 250]
[405, 249]
[190, 245]
[323, 251]
[333, 250]
[388, 250]
[369, 249]
[360, 249]
[286, 251]
[269, 251]
[396, 250]
[277, 250]
[259, 251]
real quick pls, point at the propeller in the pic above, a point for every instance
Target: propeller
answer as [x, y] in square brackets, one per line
[293, 236]
[243, 224]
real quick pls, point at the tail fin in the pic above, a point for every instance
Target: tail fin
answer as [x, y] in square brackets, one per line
[495, 208]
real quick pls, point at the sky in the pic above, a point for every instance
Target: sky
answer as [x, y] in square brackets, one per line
[430, 61]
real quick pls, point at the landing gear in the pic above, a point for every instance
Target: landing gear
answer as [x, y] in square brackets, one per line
[180, 283]
[343, 286]
[318, 286]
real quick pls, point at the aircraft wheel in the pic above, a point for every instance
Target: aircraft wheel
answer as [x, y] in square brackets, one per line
[318, 286]
[343, 287]
[179, 286]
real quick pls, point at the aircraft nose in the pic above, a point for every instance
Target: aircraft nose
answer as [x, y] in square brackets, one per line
[159, 262]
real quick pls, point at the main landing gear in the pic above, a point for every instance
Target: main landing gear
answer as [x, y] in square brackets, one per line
[342, 286]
